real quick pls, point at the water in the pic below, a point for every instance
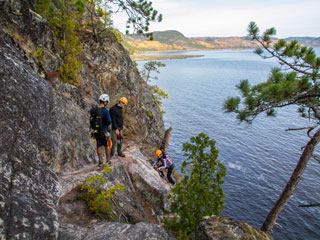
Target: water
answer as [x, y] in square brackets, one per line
[259, 157]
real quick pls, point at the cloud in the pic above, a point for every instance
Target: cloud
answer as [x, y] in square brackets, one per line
[230, 17]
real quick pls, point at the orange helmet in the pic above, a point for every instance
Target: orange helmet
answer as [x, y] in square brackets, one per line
[158, 153]
[124, 100]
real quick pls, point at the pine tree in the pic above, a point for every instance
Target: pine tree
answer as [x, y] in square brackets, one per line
[63, 17]
[140, 13]
[296, 82]
[200, 192]
[149, 68]
[66, 18]
[99, 14]
[147, 73]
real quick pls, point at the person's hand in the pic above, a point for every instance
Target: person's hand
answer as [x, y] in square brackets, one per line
[117, 132]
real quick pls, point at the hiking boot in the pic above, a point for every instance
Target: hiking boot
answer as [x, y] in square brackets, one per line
[121, 155]
[100, 164]
[109, 163]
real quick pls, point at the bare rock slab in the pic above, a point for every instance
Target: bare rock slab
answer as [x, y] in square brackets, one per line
[221, 228]
[115, 231]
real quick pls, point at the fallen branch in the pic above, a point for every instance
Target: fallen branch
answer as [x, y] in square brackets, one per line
[298, 129]
[310, 205]
[120, 210]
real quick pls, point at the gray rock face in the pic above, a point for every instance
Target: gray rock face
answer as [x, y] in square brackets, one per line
[144, 196]
[115, 231]
[127, 205]
[45, 123]
[221, 228]
[147, 182]
[29, 194]
[106, 68]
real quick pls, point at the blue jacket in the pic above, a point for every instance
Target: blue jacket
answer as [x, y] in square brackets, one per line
[106, 119]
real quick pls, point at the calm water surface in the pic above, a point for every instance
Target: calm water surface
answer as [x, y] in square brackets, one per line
[259, 157]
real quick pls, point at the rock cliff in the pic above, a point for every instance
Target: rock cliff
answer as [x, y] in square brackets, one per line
[44, 122]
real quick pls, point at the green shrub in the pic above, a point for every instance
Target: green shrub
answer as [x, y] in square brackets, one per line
[99, 200]
[64, 21]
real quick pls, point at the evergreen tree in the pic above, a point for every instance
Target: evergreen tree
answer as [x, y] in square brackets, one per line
[296, 82]
[149, 68]
[147, 73]
[66, 18]
[200, 192]
[63, 17]
[140, 14]
[99, 14]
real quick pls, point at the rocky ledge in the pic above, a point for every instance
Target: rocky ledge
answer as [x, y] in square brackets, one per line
[144, 197]
[222, 228]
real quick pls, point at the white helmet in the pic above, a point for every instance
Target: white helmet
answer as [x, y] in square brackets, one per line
[104, 98]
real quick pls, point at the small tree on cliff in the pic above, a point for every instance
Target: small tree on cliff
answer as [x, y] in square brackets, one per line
[63, 18]
[140, 14]
[148, 73]
[149, 69]
[200, 192]
[66, 17]
[297, 82]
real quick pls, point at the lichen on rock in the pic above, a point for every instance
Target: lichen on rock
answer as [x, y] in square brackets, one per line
[219, 228]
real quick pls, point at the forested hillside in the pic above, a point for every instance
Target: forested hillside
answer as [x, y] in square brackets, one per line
[174, 40]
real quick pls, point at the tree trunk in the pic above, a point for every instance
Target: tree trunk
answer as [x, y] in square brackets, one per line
[294, 179]
[166, 140]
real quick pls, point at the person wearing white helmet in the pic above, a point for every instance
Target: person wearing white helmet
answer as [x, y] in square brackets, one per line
[101, 118]
[104, 98]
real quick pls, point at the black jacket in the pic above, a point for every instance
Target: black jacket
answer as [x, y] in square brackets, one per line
[116, 117]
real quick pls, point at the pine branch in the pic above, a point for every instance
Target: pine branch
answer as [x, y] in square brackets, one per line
[290, 101]
[281, 59]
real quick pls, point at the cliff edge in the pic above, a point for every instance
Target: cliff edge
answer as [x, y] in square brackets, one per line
[45, 122]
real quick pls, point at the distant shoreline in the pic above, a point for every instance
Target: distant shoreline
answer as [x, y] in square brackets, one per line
[139, 57]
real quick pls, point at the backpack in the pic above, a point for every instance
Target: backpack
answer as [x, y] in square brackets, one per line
[96, 126]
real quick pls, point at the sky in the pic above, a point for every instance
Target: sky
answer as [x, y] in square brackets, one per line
[226, 18]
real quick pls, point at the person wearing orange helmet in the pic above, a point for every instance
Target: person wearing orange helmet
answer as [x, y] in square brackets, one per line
[165, 163]
[117, 126]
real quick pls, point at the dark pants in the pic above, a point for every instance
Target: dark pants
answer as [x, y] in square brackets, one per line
[170, 169]
[116, 144]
